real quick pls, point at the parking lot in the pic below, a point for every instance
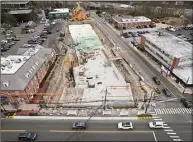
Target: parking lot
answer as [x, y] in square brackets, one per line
[25, 37]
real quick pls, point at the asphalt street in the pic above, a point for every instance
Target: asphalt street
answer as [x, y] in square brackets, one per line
[59, 130]
[133, 57]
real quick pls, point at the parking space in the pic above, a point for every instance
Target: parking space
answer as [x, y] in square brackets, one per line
[184, 34]
[24, 38]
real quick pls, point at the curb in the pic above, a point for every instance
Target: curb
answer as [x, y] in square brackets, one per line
[71, 118]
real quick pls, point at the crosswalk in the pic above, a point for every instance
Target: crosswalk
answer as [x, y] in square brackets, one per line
[173, 110]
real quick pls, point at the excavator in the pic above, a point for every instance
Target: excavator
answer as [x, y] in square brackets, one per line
[79, 14]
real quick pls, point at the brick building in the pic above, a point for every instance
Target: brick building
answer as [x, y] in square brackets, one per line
[22, 74]
[173, 54]
[130, 22]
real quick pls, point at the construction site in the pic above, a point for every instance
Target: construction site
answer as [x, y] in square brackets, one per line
[92, 73]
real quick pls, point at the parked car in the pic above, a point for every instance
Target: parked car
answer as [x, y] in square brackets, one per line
[28, 46]
[16, 39]
[155, 79]
[187, 104]
[4, 48]
[79, 125]
[157, 90]
[34, 42]
[166, 92]
[156, 125]
[27, 136]
[125, 125]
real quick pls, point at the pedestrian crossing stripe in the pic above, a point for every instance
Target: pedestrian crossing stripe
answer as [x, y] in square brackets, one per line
[173, 110]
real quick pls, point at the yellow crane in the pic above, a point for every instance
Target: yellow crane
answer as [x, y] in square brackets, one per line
[79, 14]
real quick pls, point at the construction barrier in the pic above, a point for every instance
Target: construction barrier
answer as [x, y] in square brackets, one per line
[144, 117]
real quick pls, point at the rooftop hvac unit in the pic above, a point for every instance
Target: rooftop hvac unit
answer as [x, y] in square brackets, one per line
[6, 84]
[18, 60]
[9, 66]
[24, 59]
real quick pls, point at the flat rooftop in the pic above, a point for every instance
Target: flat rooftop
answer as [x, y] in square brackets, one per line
[84, 37]
[170, 44]
[104, 75]
[20, 69]
[98, 71]
[20, 11]
[130, 19]
[184, 74]
[13, 63]
[15, 2]
[60, 10]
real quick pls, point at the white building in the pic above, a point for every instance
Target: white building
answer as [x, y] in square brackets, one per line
[172, 52]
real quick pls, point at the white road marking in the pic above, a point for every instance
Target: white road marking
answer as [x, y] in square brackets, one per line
[171, 133]
[154, 136]
[177, 140]
[174, 136]
[166, 127]
[158, 119]
[155, 117]
[169, 130]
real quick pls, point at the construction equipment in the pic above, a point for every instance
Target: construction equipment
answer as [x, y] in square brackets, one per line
[79, 14]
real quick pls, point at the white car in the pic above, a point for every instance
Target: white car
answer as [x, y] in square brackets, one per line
[156, 125]
[125, 125]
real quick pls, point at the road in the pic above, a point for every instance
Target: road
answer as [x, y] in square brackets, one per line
[60, 130]
[133, 57]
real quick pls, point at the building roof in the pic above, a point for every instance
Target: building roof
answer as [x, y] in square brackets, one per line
[98, 70]
[84, 37]
[20, 11]
[185, 74]
[15, 2]
[104, 74]
[60, 10]
[22, 76]
[130, 19]
[170, 44]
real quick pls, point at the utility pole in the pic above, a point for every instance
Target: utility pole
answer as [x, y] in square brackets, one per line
[185, 85]
[149, 101]
[105, 99]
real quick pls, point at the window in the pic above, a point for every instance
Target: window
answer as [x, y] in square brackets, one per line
[27, 75]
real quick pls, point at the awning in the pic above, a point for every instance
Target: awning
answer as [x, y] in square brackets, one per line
[3, 97]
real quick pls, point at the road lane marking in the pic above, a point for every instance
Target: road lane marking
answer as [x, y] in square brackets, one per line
[155, 117]
[169, 130]
[154, 136]
[158, 119]
[174, 136]
[96, 131]
[171, 133]
[166, 127]
[12, 130]
[177, 140]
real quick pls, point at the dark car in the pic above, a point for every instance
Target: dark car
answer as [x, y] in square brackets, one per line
[157, 90]
[79, 125]
[27, 136]
[166, 92]
[187, 104]
[33, 41]
[155, 79]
